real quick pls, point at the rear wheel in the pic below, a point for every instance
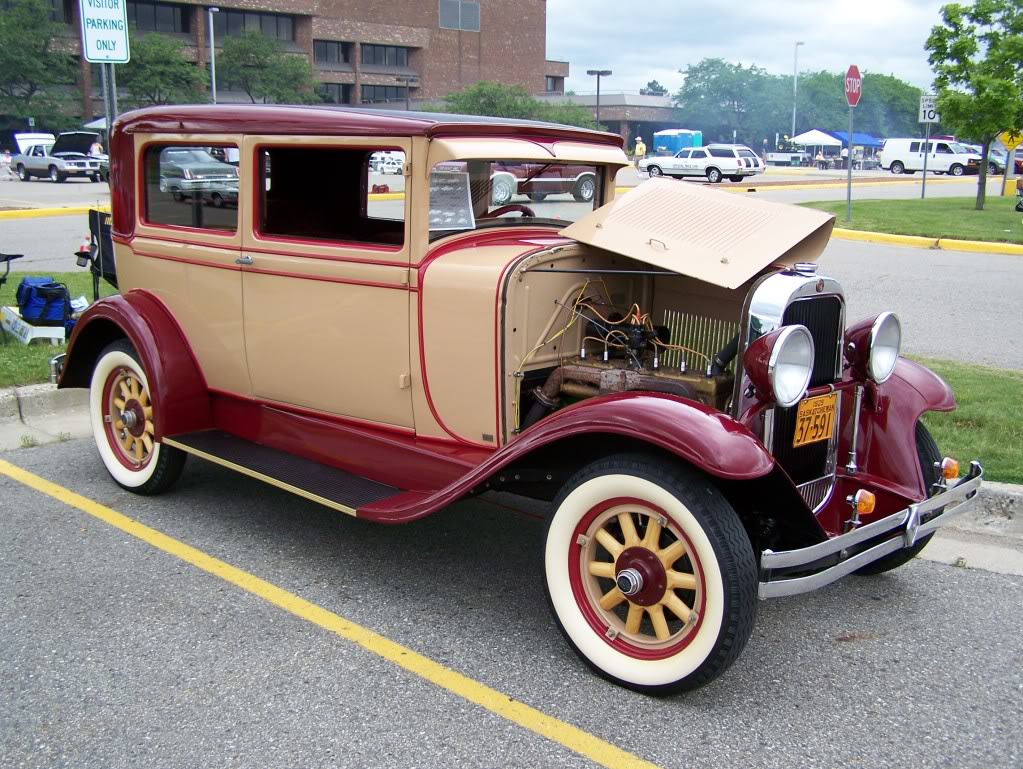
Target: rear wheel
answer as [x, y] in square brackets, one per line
[898, 167]
[23, 174]
[736, 178]
[584, 189]
[502, 190]
[123, 424]
[992, 169]
[650, 574]
[929, 455]
[713, 175]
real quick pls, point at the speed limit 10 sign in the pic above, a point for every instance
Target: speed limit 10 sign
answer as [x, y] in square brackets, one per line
[928, 110]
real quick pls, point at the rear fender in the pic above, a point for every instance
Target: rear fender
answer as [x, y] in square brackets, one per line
[177, 387]
[887, 441]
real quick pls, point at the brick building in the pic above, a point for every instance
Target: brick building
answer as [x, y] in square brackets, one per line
[361, 51]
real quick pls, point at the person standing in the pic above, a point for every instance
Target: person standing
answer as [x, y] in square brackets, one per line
[96, 149]
[845, 157]
[640, 151]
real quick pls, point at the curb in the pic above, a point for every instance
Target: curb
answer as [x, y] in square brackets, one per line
[915, 241]
[39, 406]
[32, 213]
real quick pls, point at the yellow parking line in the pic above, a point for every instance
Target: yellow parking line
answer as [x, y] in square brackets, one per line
[32, 213]
[576, 740]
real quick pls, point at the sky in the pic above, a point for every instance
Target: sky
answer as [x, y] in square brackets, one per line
[655, 38]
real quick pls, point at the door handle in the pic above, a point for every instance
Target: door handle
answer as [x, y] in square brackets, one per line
[243, 260]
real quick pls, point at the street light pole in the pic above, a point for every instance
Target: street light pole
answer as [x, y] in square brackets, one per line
[599, 73]
[408, 80]
[213, 55]
[795, 83]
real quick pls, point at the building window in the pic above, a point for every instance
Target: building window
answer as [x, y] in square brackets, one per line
[335, 93]
[383, 93]
[459, 14]
[59, 9]
[235, 23]
[385, 55]
[553, 84]
[188, 186]
[331, 52]
[158, 17]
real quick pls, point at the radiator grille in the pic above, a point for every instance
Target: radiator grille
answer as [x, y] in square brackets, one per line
[822, 316]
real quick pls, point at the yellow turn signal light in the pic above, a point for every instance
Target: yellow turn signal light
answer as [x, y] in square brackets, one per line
[863, 501]
[949, 468]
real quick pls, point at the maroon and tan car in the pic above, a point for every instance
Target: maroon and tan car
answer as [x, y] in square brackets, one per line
[669, 369]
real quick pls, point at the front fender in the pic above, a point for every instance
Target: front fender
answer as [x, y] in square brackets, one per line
[177, 387]
[888, 424]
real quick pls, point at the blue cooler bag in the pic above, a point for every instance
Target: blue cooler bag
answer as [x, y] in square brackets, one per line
[42, 302]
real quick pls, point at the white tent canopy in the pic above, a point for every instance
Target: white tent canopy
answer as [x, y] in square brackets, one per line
[99, 124]
[815, 138]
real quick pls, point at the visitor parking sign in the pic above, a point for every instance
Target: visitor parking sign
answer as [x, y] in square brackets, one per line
[105, 31]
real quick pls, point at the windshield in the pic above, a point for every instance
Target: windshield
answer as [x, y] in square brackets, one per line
[473, 194]
[960, 149]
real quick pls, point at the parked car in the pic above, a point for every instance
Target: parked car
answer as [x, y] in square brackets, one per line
[194, 172]
[539, 180]
[669, 368]
[907, 156]
[68, 156]
[387, 162]
[997, 158]
[715, 162]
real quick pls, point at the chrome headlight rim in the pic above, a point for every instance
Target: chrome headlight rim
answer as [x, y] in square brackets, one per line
[789, 335]
[878, 341]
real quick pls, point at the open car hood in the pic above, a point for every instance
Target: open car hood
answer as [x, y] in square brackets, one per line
[724, 238]
[74, 141]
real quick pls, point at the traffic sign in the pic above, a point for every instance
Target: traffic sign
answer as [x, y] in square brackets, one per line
[105, 31]
[1010, 140]
[853, 85]
[928, 109]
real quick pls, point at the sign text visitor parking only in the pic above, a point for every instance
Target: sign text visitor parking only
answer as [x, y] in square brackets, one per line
[105, 31]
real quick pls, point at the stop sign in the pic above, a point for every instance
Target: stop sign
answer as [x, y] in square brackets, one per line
[853, 85]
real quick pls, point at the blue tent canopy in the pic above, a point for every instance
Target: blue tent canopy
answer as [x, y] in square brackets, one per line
[859, 140]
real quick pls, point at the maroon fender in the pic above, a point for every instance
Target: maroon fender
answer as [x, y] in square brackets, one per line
[706, 438]
[169, 363]
[887, 443]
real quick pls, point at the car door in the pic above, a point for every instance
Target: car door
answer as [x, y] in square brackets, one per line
[37, 159]
[325, 278]
[697, 165]
[942, 156]
[678, 162]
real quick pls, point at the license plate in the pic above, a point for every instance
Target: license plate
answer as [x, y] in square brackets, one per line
[815, 420]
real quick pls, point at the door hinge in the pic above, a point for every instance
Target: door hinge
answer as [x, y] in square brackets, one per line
[406, 169]
[404, 381]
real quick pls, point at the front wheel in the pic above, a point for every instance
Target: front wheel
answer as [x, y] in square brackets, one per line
[650, 574]
[502, 190]
[992, 169]
[713, 175]
[654, 171]
[123, 424]
[56, 175]
[928, 454]
[957, 170]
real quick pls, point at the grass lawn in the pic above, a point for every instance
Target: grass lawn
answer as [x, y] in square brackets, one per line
[988, 423]
[29, 364]
[933, 218]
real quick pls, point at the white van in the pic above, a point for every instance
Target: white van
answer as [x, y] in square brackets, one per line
[907, 156]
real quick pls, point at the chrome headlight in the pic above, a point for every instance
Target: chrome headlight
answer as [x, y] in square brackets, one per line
[883, 346]
[780, 364]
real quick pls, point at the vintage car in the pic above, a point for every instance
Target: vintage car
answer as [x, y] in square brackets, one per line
[194, 173]
[67, 156]
[707, 427]
[713, 162]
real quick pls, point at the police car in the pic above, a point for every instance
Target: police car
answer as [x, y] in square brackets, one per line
[715, 162]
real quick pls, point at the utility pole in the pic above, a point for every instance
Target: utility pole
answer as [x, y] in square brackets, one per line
[213, 54]
[795, 83]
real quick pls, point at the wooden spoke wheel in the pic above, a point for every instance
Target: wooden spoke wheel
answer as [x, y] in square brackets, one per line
[649, 573]
[124, 423]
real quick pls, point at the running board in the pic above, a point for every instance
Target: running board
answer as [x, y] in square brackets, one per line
[327, 485]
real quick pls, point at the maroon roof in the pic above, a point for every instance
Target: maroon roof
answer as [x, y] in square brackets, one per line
[330, 120]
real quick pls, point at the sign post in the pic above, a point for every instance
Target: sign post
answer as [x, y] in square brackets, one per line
[105, 42]
[1010, 141]
[853, 91]
[928, 115]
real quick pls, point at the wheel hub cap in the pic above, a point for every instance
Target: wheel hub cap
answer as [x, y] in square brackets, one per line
[641, 570]
[630, 581]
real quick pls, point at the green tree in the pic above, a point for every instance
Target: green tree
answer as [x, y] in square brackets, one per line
[259, 66]
[653, 88]
[719, 97]
[31, 71]
[513, 101]
[568, 114]
[158, 73]
[977, 56]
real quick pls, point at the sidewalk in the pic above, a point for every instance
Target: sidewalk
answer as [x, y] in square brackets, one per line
[990, 537]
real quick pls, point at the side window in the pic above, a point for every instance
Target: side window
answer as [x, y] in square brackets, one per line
[914, 146]
[722, 152]
[944, 149]
[699, 154]
[683, 154]
[191, 186]
[38, 152]
[333, 194]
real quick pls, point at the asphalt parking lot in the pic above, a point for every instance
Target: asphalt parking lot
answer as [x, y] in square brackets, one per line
[114, 652]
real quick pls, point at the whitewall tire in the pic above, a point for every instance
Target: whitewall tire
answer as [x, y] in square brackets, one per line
[650, 574]
[123, 424]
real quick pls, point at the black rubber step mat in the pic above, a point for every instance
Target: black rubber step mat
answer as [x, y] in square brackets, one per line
[328, 485]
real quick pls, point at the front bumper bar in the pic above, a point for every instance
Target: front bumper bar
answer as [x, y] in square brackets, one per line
[809, 568]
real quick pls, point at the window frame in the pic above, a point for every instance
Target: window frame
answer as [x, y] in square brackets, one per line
[461, 24]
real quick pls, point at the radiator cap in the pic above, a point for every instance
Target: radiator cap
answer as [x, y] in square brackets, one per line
[805, 268]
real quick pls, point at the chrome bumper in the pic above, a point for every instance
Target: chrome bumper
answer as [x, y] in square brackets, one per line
[57, 368]
[893, 533]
